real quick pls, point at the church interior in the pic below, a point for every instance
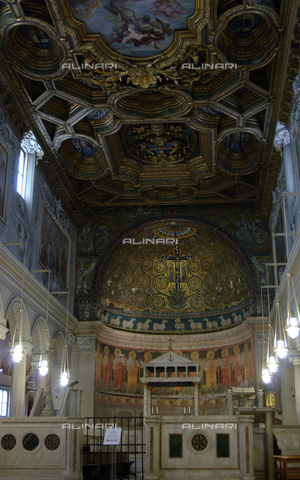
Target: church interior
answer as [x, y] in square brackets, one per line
[149, 239]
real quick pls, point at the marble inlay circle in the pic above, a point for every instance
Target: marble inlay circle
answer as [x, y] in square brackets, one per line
[199, 442]
[8, 442]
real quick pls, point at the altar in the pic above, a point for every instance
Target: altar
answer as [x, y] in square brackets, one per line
[190, 445]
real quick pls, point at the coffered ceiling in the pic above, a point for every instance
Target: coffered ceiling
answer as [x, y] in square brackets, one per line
[140, 102]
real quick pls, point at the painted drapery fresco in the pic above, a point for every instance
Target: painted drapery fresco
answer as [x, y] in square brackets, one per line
[136, 28]
[118, 373]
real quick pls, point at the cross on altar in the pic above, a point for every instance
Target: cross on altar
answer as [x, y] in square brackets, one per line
[177, 257]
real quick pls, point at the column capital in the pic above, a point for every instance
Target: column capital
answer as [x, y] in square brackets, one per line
[49, 344]
[3, 332]
[86, 342]
[27, 347]
[294, 357]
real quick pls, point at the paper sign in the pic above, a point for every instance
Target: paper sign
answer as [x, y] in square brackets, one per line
[112, 436]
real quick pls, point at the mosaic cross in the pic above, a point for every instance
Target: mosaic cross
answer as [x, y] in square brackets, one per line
[177, 257]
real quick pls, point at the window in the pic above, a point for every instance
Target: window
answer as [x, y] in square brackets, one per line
[4, 397]
[21, 178]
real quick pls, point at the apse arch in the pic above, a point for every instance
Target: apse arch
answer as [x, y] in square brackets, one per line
[157, 307]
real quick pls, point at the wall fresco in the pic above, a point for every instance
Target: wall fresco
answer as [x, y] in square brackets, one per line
[119, 370]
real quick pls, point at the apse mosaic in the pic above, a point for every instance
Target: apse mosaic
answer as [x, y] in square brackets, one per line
[204, 276]
[135, 28]
[119, 370]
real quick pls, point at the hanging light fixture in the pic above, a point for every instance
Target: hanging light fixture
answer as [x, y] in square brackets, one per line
[272, 363]
[280, 344]
[43, 363]
[64, 376]
[266, 377]
[292, 326]
[17, 350]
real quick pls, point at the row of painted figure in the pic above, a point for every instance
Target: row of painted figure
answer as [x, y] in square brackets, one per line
[120, 370]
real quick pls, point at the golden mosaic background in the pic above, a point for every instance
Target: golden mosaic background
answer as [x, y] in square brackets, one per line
[137, 280]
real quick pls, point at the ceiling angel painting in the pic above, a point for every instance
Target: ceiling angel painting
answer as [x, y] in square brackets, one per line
[137, 28]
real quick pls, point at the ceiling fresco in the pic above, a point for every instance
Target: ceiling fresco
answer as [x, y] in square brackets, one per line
[137, 28]
[144, 102]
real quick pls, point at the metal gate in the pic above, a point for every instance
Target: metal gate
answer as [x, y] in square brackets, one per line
[111, 462]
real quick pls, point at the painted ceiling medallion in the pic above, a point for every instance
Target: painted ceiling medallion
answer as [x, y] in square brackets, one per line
[134, 28]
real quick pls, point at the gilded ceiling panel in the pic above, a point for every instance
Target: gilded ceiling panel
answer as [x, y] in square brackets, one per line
[134, 101]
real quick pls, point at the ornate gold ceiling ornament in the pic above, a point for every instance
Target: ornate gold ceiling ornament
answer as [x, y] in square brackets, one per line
[82, 158]
[159, 143]
[238, 151]
[168, 193]
[139, 76]
[150, 104]
[34, 49]
[247, 35]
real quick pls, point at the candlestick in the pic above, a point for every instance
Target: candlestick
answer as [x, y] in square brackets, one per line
[189, 410]
[184, 411]
[156, 410]
[152, 410]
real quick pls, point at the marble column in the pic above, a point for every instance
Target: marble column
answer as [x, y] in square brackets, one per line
[145, 392]
[152, 425]
[196, 398]
[246, 447]
[229, 402]
[260, 398]
[270, 447]
[149, 400]
[296, 363]
[17, 403]
[48, 409]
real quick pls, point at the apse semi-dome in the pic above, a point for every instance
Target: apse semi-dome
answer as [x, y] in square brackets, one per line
[170, 276]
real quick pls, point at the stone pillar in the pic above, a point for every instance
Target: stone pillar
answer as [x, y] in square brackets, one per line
[229, 402]
[246, 447]
[145, 392]
[85, 373]
[270, 448]
[48, 409]
[17, 403]
[296, 363]
[260, 398]
[149, 400]
[196, 398]
[152, 448]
